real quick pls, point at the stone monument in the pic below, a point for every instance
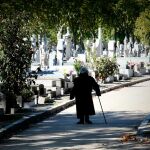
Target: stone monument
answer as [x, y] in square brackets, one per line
[129, 47]
[97, 46]
[118, 49]
[125, 47]
[67, 45]
[136, 49]
[111, 48]
[121, 48]
[60, 48]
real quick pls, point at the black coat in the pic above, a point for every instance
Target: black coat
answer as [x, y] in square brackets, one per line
[82, 91]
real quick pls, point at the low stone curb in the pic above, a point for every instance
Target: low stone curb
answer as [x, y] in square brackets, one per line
[27, 121]
[124, 85]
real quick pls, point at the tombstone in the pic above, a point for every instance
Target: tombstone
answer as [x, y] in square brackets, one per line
[53, 91]
[130, 46]
[137, 72]
[67, 44]
[55, 60]
[117, 49]
[58, 91]
[136, 49]
[41, 89]
[52, 83]
[52, 58]
[111, 48]
[125, 47]
[143, 51]
[46, 60]
[99, 44]
[68, 87]
[60, 48]
[121, 48]
[42, 54]
[59, 58]
[129, 53]
[60, 83]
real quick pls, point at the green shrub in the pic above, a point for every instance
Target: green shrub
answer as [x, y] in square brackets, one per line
[105, 67]
[27, 94]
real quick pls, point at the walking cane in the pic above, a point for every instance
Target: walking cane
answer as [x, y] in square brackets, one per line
[102, 110]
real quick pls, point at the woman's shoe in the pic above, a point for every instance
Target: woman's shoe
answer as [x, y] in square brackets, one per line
[88, 122]
[80, 122]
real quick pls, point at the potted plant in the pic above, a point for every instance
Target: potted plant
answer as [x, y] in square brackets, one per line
[105, 67]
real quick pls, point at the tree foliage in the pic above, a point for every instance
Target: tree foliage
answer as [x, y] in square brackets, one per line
[16, 47]
[20, 18]
[142, 30]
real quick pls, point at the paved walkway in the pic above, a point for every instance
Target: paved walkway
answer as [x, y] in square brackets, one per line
[124, 110]
[57, 131]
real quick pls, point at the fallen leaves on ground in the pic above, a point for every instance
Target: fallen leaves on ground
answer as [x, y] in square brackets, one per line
[134, 138]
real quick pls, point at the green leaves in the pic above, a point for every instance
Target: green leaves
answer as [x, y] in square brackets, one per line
[16, 48]
[26, 94]
[142, 27]
[77, 65]
[105, 67]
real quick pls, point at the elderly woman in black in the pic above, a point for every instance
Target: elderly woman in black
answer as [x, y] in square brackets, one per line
[82, 92]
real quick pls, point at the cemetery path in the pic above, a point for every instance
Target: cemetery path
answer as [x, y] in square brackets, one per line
[124, 109]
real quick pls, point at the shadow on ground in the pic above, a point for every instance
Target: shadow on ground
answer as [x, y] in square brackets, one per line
[62, 132]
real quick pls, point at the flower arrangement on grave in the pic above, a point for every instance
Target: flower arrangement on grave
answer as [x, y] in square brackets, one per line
[77, 65]
[130, 65]
[105, 67]
[139, 66]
